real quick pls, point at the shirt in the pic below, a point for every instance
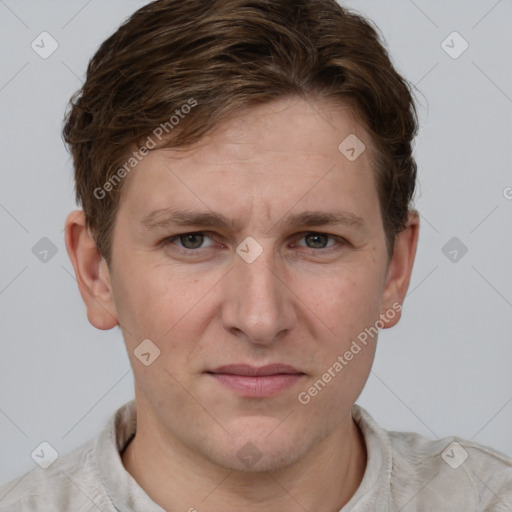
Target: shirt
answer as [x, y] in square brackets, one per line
[405, 472]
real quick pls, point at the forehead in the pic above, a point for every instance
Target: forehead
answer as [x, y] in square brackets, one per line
[288, 154]
[305, 126]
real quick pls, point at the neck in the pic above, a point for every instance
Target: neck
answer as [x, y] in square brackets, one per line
[324, 480]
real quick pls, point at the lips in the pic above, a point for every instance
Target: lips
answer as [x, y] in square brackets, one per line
[256, 382]
[254, 371]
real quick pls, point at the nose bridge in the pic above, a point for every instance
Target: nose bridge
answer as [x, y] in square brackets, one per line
[259, 279]
[257, 302]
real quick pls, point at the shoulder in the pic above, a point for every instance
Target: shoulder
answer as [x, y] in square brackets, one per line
[426, 474]
[455, 470]
[69, 483]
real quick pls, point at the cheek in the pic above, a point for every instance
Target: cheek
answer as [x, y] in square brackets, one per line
[348, 307]
[345, 302]
[158, 302]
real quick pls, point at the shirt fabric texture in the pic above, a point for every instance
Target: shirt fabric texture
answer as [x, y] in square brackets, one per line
[405, 472]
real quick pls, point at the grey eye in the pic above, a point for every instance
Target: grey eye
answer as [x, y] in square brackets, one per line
[192, 240]
[317, 241]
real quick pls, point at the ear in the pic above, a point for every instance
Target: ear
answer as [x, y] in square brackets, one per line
[92, 273]
[399, 271]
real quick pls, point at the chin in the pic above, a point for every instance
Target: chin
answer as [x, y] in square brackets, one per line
[264, 460]
[259, 447]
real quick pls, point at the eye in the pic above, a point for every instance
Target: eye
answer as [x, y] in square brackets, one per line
[188, 241]
[319, 240]
[192, 242]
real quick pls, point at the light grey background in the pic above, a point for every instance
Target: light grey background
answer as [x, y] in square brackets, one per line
[445, 369]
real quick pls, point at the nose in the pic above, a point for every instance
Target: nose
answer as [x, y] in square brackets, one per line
[258, 305]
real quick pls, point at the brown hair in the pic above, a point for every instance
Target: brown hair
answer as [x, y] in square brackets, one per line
[219, 57]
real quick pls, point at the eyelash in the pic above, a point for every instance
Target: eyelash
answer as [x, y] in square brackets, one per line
[335, 247]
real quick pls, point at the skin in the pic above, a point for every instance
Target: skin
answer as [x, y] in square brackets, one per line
[301, 302]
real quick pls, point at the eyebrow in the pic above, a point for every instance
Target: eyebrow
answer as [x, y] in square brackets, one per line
[168, 217]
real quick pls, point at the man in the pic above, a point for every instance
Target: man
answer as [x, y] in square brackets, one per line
[245, 172]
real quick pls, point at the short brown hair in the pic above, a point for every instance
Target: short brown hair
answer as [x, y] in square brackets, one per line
[223, 56]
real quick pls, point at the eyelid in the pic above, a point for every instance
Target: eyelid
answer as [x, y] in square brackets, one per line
[336, 238]
[173, 238]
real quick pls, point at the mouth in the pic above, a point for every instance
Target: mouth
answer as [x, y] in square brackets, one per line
[257, 382]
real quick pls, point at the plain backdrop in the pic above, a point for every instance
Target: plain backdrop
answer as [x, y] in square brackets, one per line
[444, 369]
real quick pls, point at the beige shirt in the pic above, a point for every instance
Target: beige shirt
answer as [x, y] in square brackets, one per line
[405, 472]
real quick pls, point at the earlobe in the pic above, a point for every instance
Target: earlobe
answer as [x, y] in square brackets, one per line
[91, 271]
[399, 271]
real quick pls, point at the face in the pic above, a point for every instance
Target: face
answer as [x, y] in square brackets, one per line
[252, 262]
